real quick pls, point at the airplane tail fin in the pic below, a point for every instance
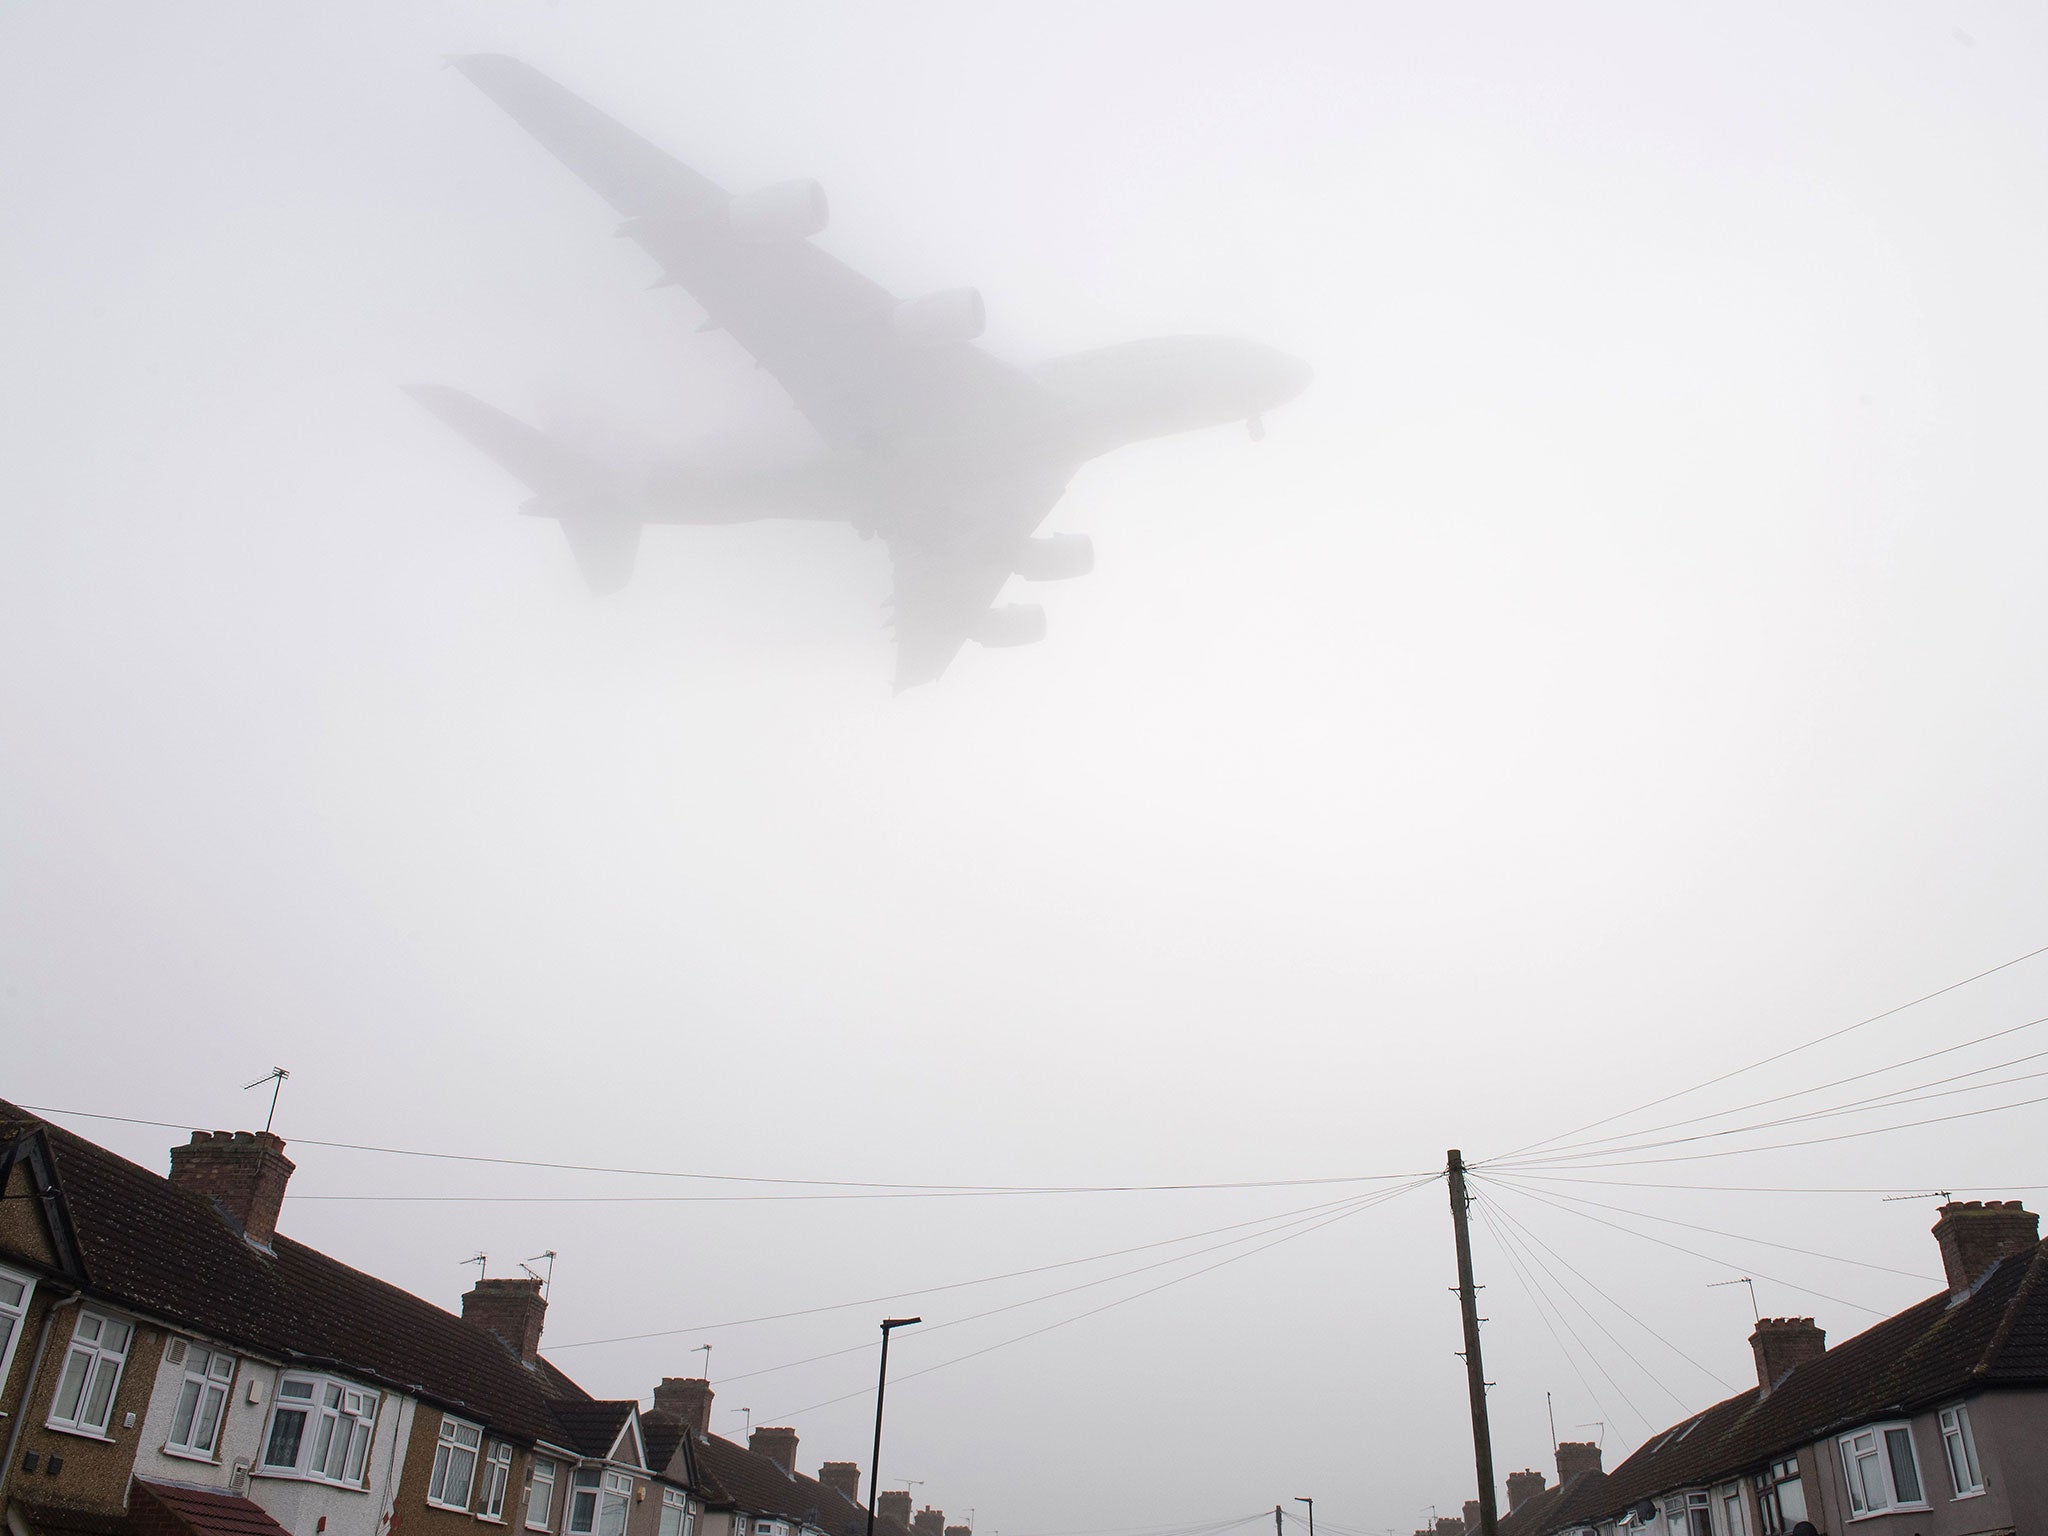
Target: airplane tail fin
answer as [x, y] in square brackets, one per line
[599, 517]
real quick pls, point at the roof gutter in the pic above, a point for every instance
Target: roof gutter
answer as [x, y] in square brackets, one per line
[28, 1387]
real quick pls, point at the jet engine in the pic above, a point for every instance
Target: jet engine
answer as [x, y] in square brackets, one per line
[788, 210]
[1011, 624]
[1055, 557]
[937, 319]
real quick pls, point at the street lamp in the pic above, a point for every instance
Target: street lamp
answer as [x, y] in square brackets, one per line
[1311, 1503]
[881, 1387]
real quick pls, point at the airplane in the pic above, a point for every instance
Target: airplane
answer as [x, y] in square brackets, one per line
[951, 456]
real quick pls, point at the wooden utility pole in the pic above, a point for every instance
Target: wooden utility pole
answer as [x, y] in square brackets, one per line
[1276, 1521]
[1475, 1371]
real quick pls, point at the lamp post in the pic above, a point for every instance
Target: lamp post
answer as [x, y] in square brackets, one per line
[881, 1387]
[1311, 1503]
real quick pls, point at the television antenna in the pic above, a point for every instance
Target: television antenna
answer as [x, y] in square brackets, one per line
[479, 1261]
[1741, 1280]
[1929, 1194]
[706, 1350]
[545, 1280]
[750, 1420]
[1599, 1424]
[275, 1077]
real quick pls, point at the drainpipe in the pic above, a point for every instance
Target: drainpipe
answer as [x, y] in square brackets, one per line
[28, 1387]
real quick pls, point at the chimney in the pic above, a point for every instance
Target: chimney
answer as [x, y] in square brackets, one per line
[1522, 1487]
[929, 1522]
[242, 1172]
[1976, 1234]
[511, 1309]
[1471, 1515]
[1450, 1525]
[1576, 1456]
[688, 1398]
[843, 1478]
[893, 1504]
[959, 1530]
[1780, 1343]
[778, 1445]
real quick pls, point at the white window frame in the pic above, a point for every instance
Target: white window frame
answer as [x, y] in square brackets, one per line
[607, 1490]
[207, 1384]
[1875, 1447]
[13, 1313]
[98, 1363]
[1734, 1510]
[337, 1423]
[674, 1499]
[497, 1477]
[535, 1480]
[1772, 1517]
[1958, 1437]
[459, 1440]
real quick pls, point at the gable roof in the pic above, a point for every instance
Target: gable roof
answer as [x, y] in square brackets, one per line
[595, 1428]
[1578, 1500]
[200, 1511]
[169, 1254]
[1936, 1351]
[736, 1477]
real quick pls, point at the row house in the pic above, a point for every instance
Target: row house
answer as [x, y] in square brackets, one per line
[172, 1365]
[1932, 1423]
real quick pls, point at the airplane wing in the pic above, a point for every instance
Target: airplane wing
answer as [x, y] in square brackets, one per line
[603, 534]
[945, 586]
[826, 333]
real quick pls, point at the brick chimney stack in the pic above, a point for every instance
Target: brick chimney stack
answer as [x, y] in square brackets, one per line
[242, 1172]
[959, 1530]
[843, 1478]
[1450, 1525]
[688, 1398]
[893, 1504]
[1522, 1487]
[1576, 1456]
[1471, 1516]
[1976, 1234]
[778, 1445]
[929, 1522]
[1780, 1343]
[511, 1309]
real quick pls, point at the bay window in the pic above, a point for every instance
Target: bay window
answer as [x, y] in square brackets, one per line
[598, 1502]
[1959, 1444]
[320, 1429]
[15, 1290]
[1879, 1466]
[454, 1463]
[92, 1369]
[675, 1513]
[202, 1397]
[1780, 1497]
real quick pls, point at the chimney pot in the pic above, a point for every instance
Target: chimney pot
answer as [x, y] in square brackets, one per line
[512, 1310]
[1522, 1487]
[929, 1522]
[688, 1398]
[1576, 1456]
[1782, 1343]
[843, 1478]
[778, 1445]
[242, 1172]
[1976, 1234]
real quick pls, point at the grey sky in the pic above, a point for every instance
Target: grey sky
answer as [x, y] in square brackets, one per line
[1624, 660]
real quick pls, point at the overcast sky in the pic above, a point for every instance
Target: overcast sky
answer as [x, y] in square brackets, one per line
[1624, 661]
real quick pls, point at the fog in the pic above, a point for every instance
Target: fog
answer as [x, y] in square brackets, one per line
[1621, 663]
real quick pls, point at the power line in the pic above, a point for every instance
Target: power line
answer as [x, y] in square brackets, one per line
[1015, 1274]
[1539, 1298]
[1509, 1217]
[1367, 1202]
[1767, 1189]
[1800, 1093]
[1916, 1094]
[1775, 1056]
[1815, 1141]
[901, 1189]
[1649, 1237]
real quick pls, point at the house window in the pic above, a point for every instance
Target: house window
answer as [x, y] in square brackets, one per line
[1960, 1446]
[540, 1493]
[1780, 1497]
[320, 1429]
[1695, 1516]
[209, 1373]
[598, 1502]
[1879, 1466]
[675, 1513]
[92, 1369]
[1733, 1522]
[497, 1473]
[15, 1290]
[454, 1464]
